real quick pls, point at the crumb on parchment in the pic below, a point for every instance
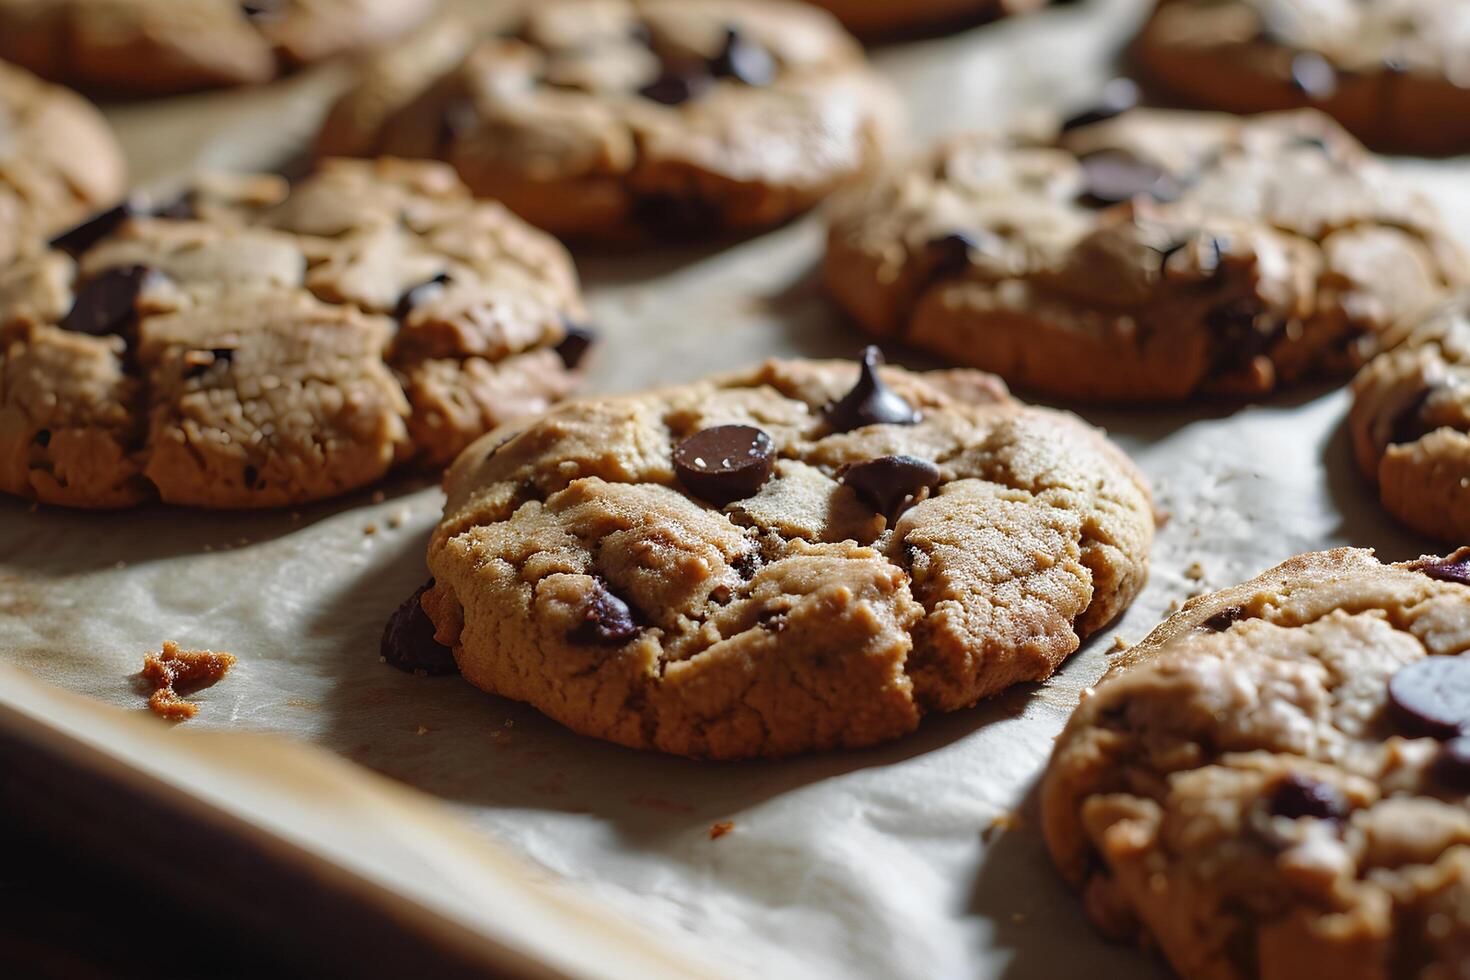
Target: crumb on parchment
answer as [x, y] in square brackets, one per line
[718, 830]
[188, 669]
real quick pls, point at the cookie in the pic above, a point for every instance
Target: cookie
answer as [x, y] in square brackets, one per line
[629, 119]
[804, 555]
[250, 345]
[154, 47]
[872, 18]
[1395, 72]
[1410, 424]
[1137, 255]
[1273, 783]
[58, 161]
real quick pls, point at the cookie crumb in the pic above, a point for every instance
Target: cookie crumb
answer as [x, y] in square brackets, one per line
[718, 830]
[422, 731]
[398, 518]
[189, 669]
[999, 824]
[370, 529]
[378, 497]
[1195, 572]
[1120, 644]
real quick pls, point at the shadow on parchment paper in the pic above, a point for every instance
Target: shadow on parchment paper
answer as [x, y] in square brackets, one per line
[56, 542]
[1364, 521]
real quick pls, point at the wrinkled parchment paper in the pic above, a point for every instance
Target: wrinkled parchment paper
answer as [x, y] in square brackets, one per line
[918, 859]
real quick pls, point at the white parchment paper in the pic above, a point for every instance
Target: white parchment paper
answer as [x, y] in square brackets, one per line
[918, 859]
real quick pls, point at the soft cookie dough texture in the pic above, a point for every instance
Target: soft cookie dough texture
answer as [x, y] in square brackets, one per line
[155, 47]
[630, 118]
[1145, 256]
[252, 345]
[1395, 72]
[1410, 424]
[575, 571]
[1242, 791]
[58, 161]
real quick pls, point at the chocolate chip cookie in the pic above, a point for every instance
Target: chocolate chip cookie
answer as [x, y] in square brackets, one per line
[1137, 255]
[153, 47]
[805, 555]
[1273, 783]
[871, 18]
[1410, 424]
[1395, 72]
[254, 345]
[631, 119]
[58, 161]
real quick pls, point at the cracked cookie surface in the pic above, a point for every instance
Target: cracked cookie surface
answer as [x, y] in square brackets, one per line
[1410, 424]
[1395, 72]
[876, 17]
[1258, 787]
[920, 544]
[154, 47]
[1144, 255]
[631, 118]
[58, 161]
[255, 345]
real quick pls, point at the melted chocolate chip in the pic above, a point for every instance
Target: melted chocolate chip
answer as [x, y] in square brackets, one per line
[1313, 76]
[1410, 425]
[408, 640]
[574, 343]
[1431, 697]
[1223, 619]
[220, 357]
[677, 84]
[1118, 96]
[1242, 332]
[725, 463]
[1451, 568]
[1114, 176]
[42, 438]
[889, 484]
[75, 241]
[106, 304]
[251, 474]
[951, 253]
[1301, 796]
[744, 60]
[870, 402]
[1451, 767]
[606, 619]
[414, 295]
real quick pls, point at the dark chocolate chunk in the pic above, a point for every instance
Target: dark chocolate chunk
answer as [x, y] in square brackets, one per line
[77, 240]
[1118, 96]
[251, 474]
[1451, 767]
[725, 462]
[575, 343]
[1431, 697]
[889, 484]
[1313, 76]
[106, 304]
[414, 295]
[1243, 331]
[42, 438]
[677, 84]
[744, 60]
[1114, 176]
[747, 564]
[674, 216]
[606, 619]
[870, 402]
[1301, 796]
[220, 357]
[951, 253]
[1451, 568]
[408, 640]
[1410, 424]
[1223, 619]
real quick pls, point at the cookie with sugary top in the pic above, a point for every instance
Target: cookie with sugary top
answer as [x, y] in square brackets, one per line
[1410, 424]
[156, 47]
[804, 555]
[254, 345]
[1394, 72]
[1273, 783]
[630, 119]
[1139, 255]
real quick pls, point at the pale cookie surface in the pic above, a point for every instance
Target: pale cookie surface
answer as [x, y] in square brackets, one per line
[1395, 72]
[631, 118]
[149, 47]
[1144, 255]
[1273, 783]
[251, 345]
[1410, 424]
[58, 161]
[840, 579]
[876, 17]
